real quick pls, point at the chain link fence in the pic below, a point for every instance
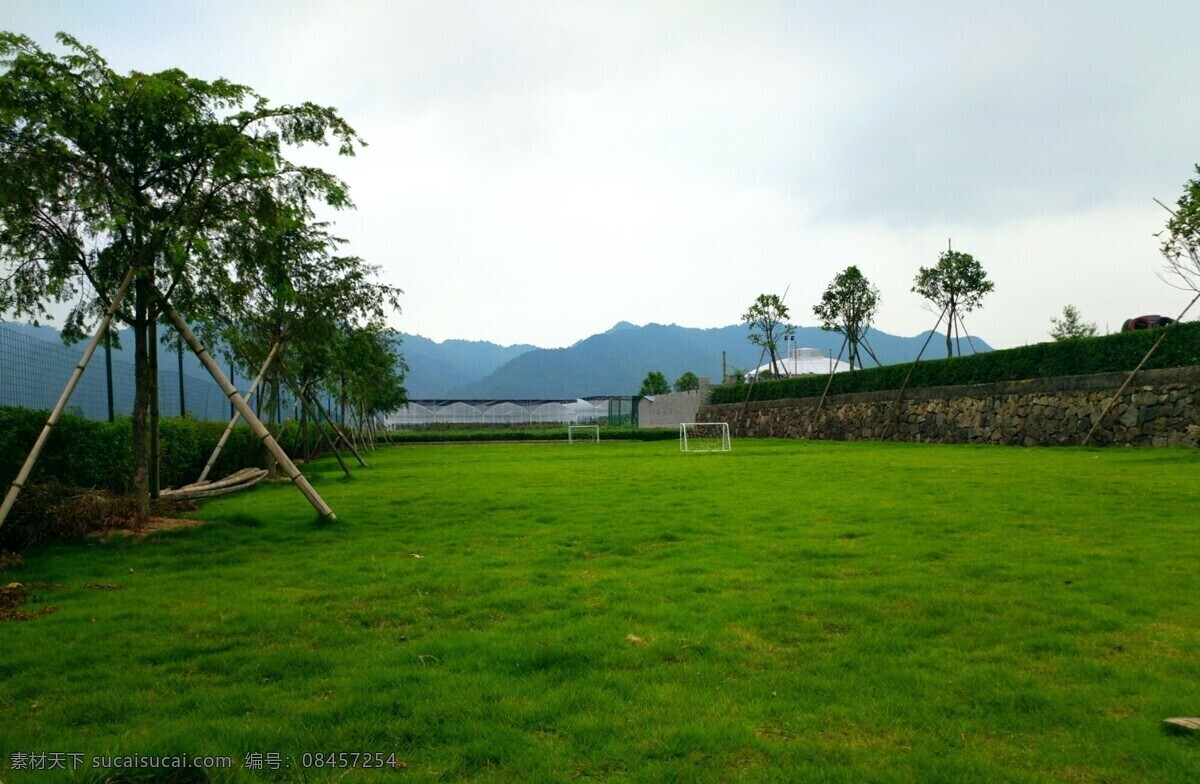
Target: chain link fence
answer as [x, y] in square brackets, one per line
[33, 373]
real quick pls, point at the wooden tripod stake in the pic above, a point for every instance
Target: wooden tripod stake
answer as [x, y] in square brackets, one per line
[236, 415]
[247, 413]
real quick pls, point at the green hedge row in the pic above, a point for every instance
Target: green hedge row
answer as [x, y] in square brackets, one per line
[86, 453]
[607, 433]
[1083, 356]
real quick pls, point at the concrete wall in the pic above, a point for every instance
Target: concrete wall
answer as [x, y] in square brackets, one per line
[673, 409]
[1160, 408]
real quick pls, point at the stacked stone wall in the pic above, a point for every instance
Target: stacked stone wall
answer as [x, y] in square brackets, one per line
[1160, 408]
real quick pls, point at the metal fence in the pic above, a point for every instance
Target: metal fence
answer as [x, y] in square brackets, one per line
[34, 372]
[596, 410]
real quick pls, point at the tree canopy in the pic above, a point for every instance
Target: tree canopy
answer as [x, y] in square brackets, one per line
[655, 383]
[157, 172]
[767, 320]
[1181, 238]
[688, 382]
[1071, 325]
[956, 285]
[847, 307]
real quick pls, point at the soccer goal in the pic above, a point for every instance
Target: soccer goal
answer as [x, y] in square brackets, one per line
[704, 437]
[583, 433]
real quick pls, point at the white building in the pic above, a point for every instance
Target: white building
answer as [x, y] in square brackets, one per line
[802, 362]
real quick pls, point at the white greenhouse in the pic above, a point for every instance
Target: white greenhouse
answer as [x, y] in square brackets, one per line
[803, 362]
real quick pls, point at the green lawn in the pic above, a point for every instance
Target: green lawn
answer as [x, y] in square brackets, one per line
[790, 611]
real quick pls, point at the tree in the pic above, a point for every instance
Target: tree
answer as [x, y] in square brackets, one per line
[655, 383]
[1181, 238]
[285, 286]
[102, 173]
[688, 382]
[1071, 325]
[956, 285]
[766, 319]
[369, 372]
[847, 307]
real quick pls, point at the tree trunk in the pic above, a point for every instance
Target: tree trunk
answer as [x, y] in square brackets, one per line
[272, 411]
[949, 330]
[155, 460]
[141, 480]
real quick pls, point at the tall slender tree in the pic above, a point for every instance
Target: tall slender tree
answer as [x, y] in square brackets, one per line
[767, 320]
[847, 307]
[956, 285]
[102, 172]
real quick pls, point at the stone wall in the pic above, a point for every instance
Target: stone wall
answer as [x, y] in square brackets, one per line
[1160, 408]
[673, 409]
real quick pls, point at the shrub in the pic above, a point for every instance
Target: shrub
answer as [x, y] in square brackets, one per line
[88, 453]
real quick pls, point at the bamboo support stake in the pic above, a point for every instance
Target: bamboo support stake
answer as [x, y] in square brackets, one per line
[10, 497]
[307, 400]
[247, 413]
[236, 416]
[341, 436]
[1129, 379]
[750, 391]
[817, 414]
[325, 435]
[888, 418]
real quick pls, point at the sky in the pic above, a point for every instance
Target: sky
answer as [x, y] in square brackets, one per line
[538, 171]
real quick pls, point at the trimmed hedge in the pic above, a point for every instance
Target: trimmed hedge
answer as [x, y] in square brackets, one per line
[1079, 357]
[87, 453]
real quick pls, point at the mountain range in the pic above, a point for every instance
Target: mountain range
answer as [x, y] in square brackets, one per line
[613, 362]
[616, 361]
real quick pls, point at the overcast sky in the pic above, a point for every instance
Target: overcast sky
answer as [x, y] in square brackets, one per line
[538, 171]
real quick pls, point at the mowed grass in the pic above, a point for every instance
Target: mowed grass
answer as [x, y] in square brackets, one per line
[790, 611]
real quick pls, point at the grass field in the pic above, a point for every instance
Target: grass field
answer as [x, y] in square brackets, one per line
[789, 611]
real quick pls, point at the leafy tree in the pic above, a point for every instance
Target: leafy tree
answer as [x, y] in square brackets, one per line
[767, 320]
[1181, 238]
[1071, 325]
[688, 382]
[369, 371]
[655, 383]
[956, 285]
[738, 375]
[847, 307]
[101, 173]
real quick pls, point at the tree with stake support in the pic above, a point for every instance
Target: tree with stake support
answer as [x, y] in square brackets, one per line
[957, 284]
[104, 173]
[847, 307]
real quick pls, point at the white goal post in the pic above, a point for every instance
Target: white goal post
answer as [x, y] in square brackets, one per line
[582, 433]
[704, 437]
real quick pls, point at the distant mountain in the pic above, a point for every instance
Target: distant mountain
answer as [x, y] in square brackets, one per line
[611, 363]
[616, 361]
[435, 369]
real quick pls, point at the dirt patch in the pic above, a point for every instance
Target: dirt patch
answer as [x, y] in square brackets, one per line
[14, 595]
[49, 510]
[153, 525]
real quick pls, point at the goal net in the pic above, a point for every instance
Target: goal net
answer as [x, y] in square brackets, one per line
[704, 437]
[583, 433]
